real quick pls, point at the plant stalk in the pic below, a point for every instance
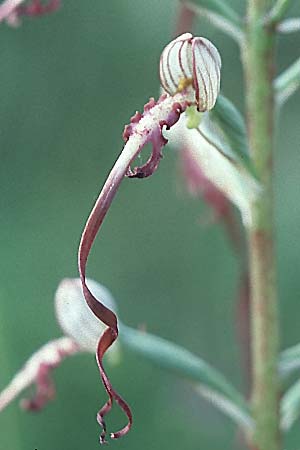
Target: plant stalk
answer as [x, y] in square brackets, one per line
[258, 56]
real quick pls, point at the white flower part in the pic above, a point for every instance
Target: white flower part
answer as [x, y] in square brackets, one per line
[7, 9]
[176, 63]
[235, 183]
[192, 64]
[74, 316]
[50, 355]
[206, 73]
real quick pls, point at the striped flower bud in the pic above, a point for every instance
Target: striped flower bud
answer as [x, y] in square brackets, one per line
[192, 64]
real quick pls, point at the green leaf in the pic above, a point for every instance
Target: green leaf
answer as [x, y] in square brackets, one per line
[287, 82]
[219, 18]
[278, 12]
[221, 7]
[289, 360]
[290, 406]
[232, 124]
[228, 407]
[209, 382]
[290, 25]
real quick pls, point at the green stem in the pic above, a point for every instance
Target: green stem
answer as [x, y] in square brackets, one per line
[259, 60]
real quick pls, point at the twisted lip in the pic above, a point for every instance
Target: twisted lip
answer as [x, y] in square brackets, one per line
[144, 128]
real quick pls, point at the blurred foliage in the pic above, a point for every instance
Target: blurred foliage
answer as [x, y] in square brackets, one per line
[69, 82]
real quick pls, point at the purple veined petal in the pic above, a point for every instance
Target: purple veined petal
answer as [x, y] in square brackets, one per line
[37, 371]
[206, 73]
[144, 128]
[186, 59]
[176, 63]
[192, 64]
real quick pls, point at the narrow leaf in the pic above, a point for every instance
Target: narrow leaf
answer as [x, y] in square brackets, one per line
[290, 406]
[231, 26]
[220, 7]
[287, 82]
[232, 124]
[228, 407]
[291, 25]
[167, 355]
[289, 360]
[278, 11]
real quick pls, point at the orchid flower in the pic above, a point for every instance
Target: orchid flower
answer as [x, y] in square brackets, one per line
[190, 75]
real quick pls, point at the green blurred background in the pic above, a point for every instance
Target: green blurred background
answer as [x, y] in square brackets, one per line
[68, 83]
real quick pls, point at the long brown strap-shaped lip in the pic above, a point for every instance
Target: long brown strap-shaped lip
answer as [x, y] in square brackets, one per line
[101, 311]
[144, 128]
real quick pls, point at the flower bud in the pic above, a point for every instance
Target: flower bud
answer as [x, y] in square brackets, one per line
[74, 316]
[192, 64]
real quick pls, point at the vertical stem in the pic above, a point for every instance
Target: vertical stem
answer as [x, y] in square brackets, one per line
[259, 59]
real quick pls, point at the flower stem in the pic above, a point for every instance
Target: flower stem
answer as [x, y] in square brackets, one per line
[259, 60]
